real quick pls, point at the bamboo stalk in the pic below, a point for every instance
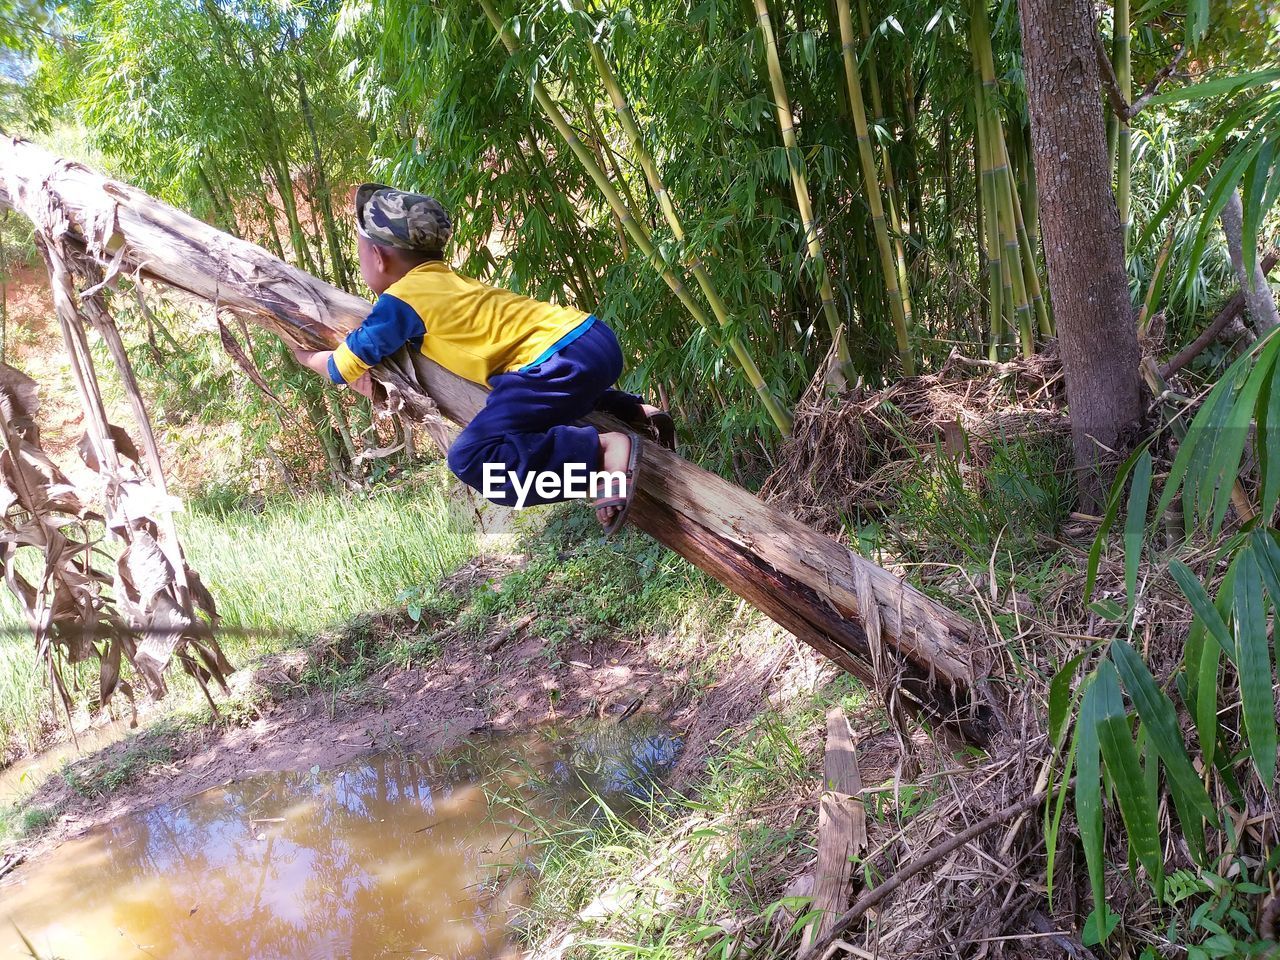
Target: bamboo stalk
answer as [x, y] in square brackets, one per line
[1018, 264]
[987, 199]
[800, 184]
[1031, 273]
[622, 108]
[605, 155]
[1028, 239]
[1013, 274]
[896, 231]
[1030, 189]
[1032, 197]
[1124, 144]
[638, 232]
[871, 186]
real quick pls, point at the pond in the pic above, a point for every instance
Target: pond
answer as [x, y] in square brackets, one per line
[388, 856]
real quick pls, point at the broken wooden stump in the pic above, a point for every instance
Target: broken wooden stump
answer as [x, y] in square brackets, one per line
[842, 828]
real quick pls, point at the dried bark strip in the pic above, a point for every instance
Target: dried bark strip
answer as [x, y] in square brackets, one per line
[842, 827]
[829, 597]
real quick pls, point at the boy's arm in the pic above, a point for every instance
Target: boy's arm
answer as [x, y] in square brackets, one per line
[390, 325]
[315, 360]
[319, 360]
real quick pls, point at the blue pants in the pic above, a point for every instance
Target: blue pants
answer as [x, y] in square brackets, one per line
[527, 423]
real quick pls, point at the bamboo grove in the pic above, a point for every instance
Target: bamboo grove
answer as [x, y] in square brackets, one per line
[742, 189]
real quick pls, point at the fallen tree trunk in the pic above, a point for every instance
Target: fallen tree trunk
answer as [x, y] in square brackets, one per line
[922, 655]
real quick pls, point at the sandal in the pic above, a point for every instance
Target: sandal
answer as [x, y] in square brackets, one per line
[623, 503]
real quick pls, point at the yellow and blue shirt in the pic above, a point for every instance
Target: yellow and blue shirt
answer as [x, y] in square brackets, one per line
[466, 326]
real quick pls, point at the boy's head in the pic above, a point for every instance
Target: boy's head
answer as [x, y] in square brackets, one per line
[397, 232]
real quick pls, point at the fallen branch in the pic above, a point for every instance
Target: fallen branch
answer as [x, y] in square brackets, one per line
[9, 864]
[905, 873]
[507, 632]
[1233, 309]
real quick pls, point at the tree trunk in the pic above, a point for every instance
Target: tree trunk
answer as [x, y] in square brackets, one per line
[922, 655]
[1258, 297]
[1080, 232]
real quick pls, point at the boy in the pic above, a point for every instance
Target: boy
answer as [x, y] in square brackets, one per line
[547, 366]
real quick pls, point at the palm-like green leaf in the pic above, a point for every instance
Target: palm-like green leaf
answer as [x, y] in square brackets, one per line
[1088, 797]
[1201, 605]
[1156, 711]
[1134, 794]
[1136, 523]
[1252, 656]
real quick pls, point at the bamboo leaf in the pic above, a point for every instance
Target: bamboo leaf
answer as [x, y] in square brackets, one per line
[1207, 699]
[1108, 520]
[1268, 445]
[1197, 21]
[1218, 87]
[1218, 192]
[1252, 189]
[1156, 711]
[1231, 438]
[1053, 816]
[1201, 605]
[1135, 524]
[1211, 411]
[1060, 697]
[1253, 664]
[1120, 754]
[1088, 798]
[1208, 153]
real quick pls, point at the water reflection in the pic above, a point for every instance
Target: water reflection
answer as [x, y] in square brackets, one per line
[390, 856]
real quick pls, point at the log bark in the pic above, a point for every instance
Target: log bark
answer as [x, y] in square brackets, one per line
[862, 617]
[1080, 227]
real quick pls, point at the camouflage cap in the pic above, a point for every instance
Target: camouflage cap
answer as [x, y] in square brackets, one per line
[393, 218]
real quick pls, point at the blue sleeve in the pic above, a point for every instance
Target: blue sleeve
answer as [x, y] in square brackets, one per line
[390, 325]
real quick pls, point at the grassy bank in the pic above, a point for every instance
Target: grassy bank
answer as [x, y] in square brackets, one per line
[719, 883]
[281, 572]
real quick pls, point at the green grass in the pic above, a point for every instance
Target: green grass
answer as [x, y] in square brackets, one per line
[142, 753]
[301, 566]
[950, 512]
[280, 573]
[737, 843]
[17, 821]
[579, 589]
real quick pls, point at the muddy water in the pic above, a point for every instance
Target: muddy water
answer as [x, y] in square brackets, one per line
[389, 856]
